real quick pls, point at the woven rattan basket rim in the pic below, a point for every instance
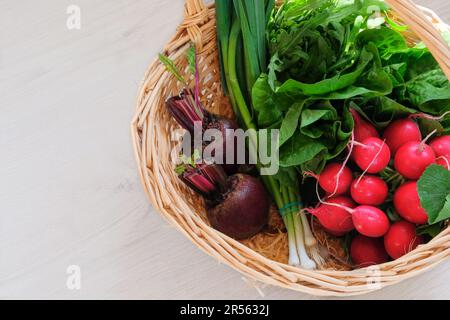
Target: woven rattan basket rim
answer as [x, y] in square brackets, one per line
[162, 187]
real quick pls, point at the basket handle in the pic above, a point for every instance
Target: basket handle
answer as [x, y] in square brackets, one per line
[195, 14]
[417, 21]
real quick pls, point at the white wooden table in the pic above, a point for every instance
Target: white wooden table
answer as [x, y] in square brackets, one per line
[69, 190]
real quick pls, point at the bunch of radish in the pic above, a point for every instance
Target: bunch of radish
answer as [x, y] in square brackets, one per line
[356, 200]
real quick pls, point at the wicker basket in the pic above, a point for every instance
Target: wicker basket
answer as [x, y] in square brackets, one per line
[152, 130]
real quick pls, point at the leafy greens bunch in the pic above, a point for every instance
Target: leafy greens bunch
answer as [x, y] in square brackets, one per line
[242, 43]
[327, 55]
[301, 66]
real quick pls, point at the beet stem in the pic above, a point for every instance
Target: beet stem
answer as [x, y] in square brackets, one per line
[207, 180]
[186, 110]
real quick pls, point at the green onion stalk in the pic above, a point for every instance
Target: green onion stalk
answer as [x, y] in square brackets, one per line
[243, 23]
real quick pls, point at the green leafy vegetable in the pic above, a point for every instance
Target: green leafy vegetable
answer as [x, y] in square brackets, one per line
[299, 150]
[315, 60]
[431, 231]
[171, 67]
[241, 30]
[426, 87]
[385, 39]
[191, 59]
[434, 193]
[265, 103]
[290, 122]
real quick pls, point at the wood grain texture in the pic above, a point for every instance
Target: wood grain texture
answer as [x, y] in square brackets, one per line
[69, 191]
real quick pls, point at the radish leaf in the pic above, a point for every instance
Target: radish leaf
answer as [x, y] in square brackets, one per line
[434, 193]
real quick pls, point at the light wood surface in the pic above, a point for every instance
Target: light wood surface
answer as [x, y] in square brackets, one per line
[69, 190]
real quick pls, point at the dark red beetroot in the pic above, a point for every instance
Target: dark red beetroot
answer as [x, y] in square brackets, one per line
[441, 146]
[401, 239]
[372, 156]
[413, 158]
[243, 210]
[400, 132]
[336, 219]
[369, 190]
[363, 129]
[227, 128]
[186, 111]
[238, 205]
[367, 251]
[189, 113]
[407, 203]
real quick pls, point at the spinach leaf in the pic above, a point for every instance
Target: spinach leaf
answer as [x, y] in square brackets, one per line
[428, 86]
[287, 177]
[385, 39]
[311, 116]
[290, 121]
[428, 125]
[263, 98]
[380, 111]
[299, 150]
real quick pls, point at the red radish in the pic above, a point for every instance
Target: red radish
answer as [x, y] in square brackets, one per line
[400, 132]
[372, 155]
[370, 221]
[407, 203]
[401, 239]
[444, 162]
[333, 215]
[441, 146]
[369, 190]
[413, 158]
[363, 129]
[367, 251]
[335, 179]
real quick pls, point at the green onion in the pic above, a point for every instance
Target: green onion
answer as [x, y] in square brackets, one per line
[241, 37]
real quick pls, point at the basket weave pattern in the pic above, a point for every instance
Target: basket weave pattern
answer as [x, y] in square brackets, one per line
[153, 140]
